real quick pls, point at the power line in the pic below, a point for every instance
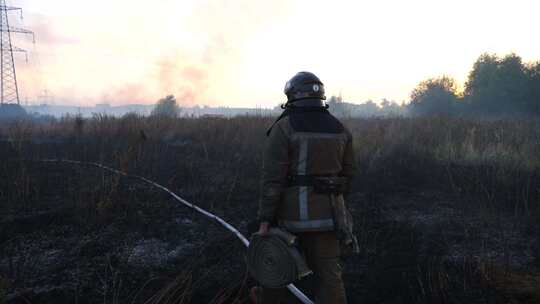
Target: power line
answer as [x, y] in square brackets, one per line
[9, 89]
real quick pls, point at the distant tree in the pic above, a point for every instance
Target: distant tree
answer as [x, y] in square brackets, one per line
[497, 86]
[390, 108]
[12, 112]
[435, 96]
[335, 99]
[513, 83]
[533, 77]
[166, 107]
[338, 107]
[369, 109]
[482, 76]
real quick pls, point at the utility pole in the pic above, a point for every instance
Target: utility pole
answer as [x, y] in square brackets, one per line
[9, 89]
[46, 98]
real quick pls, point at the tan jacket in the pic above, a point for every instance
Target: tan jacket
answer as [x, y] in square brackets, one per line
[305, 143]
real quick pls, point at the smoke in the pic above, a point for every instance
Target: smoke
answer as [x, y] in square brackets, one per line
[204, 73]
[41, 73]
[193, 55]
[49, 34]
[132, 93]
[179, 75]
[201, 70]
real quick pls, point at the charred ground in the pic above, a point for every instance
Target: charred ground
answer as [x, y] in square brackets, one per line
[446, 210]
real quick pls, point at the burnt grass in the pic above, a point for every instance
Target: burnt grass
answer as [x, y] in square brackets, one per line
[446, 210]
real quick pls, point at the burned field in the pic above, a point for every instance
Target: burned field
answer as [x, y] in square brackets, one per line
[446, 210]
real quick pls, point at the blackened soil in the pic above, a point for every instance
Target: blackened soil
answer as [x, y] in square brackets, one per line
[79, 235]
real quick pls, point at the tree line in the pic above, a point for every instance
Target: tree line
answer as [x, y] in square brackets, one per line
[495, 86]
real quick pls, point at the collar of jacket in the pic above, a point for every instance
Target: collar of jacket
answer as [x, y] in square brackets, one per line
[309, 102]
[303, 105]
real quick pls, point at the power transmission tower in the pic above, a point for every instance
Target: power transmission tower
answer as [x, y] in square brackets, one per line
[9, 91]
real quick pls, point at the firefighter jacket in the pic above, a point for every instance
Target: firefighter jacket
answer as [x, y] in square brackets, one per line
[304, 142]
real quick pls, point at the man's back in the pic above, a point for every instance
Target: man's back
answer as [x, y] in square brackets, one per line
[308, 164]
[307, 143]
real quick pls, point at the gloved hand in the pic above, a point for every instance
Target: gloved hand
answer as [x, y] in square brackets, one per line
[263, 228]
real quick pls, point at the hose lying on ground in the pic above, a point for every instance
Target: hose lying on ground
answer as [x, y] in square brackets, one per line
[293, 289]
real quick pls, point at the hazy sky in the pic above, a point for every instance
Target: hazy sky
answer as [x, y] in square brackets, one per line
[241, 52]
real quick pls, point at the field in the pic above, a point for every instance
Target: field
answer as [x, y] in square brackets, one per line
[447, 210]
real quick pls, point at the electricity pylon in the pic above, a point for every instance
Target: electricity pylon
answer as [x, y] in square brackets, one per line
[9, 91]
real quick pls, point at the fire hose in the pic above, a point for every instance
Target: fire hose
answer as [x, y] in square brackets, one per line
[265, 252]
[274, 260]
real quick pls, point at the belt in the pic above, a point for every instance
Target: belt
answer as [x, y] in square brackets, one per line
[305, 180]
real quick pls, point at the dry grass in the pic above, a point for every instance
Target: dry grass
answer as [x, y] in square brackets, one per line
[492, 166]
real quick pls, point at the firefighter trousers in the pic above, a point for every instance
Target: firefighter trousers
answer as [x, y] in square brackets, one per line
[322, 252]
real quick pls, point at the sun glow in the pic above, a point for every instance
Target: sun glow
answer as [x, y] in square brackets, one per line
[240, 53]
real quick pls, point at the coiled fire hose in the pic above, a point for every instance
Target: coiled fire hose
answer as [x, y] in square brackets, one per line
[274, 261]
[264, 253]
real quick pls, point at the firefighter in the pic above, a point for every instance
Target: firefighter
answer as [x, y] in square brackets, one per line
[308, 166]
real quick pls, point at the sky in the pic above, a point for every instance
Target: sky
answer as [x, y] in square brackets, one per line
[240, 53]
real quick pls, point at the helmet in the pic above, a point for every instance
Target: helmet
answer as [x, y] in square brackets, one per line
[304, 85]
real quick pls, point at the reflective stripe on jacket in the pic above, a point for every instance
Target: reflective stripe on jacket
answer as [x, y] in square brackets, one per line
[304, 143]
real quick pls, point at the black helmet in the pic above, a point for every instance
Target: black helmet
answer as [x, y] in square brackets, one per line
[304, 85]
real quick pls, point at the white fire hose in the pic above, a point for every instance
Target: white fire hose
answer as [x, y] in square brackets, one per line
[293, 289]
